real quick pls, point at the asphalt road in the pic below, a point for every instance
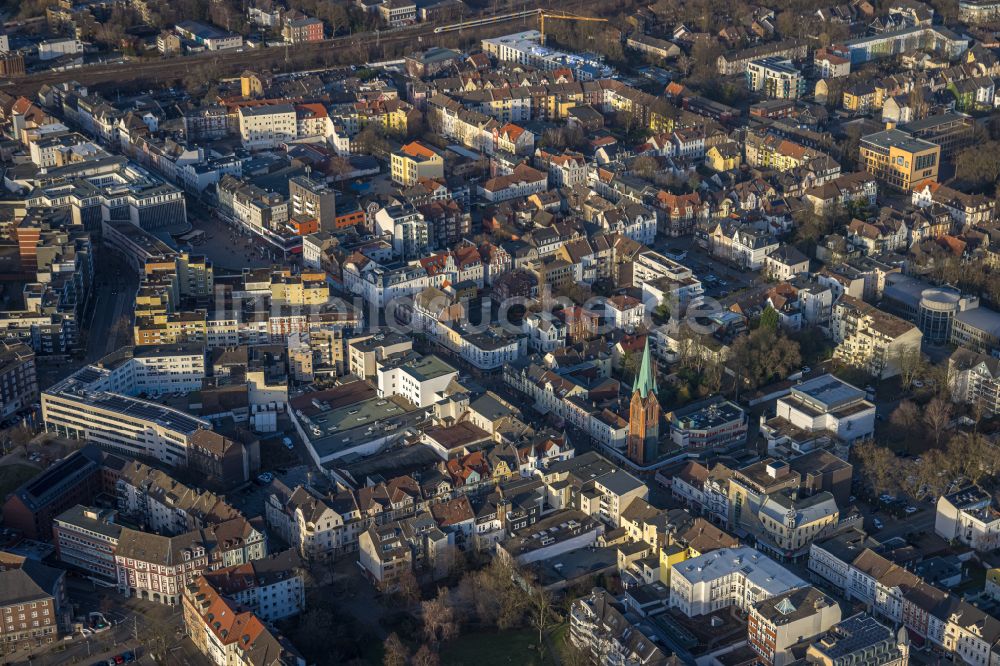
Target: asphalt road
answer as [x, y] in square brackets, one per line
[110, 324]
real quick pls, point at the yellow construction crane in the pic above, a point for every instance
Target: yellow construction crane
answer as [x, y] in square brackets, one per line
[562, 16]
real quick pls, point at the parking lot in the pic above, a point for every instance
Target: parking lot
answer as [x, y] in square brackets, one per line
[719, 278]
[885, 521]
[250, 500]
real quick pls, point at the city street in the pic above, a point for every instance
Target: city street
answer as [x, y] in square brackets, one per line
[110, 322]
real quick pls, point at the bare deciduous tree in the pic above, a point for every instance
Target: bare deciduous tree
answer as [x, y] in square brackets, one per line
[394, 652]
[408, 589]
[911, 365]
[878, 465]
[937, 415]
[934, 472]
[439, 618]
[541, 612]
[425, 656]
[905, 417]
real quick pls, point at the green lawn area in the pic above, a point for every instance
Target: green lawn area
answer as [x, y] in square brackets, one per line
[494, 649]
[12, 476]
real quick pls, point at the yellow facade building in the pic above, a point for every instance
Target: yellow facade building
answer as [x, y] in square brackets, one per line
[899, 160]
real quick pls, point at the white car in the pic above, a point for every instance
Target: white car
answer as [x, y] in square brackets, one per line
[911, 509]
[287, 441]
[877, 523]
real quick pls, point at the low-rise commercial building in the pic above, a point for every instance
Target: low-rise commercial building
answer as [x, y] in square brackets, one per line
[213, 38]
[776, 624]
[860, 640]
[824, 407]
[76, 479]
[87, 537]
[976, 328]
[708, 425]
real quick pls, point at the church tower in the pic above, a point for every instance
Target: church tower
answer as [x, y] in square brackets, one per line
[644, 414]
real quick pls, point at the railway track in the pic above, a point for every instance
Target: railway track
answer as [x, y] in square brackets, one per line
[231, 62]
[157, 71]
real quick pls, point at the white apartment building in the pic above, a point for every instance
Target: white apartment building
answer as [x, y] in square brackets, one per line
[490, 349]
[272, 587]
[704, 490]
[599, 627]
[545, 332]
[750, 248]
[406, 229]
[315, 525]
[519, 184]
[664, 279]
[738, 577]
[625, 312]
[969, 516]
[974, 379]
[776, 78]
[871, 339]
[265, 127]
[379, 285]
[420, 379]
[566, 169]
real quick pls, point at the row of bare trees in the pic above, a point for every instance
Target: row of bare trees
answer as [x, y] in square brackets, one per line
[967, 457]
[498, 597]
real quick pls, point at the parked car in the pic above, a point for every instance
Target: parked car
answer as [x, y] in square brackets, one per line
[911, 510]
[877, 523]
[287, 441]
[265, 477]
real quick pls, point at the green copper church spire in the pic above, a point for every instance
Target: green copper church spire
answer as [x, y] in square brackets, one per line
[645, 381]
